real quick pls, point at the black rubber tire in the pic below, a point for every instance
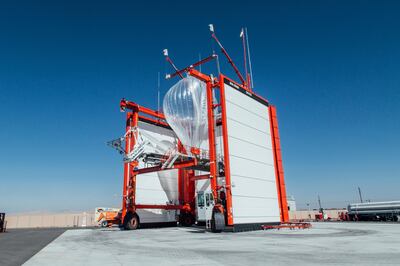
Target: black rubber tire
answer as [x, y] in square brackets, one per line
[131, 221]
[217, 222]
[104, 224]
[186, 220]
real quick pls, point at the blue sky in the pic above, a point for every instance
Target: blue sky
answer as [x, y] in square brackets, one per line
[331, 68]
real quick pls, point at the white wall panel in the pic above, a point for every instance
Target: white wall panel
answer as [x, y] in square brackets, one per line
[243, 101]
[250, 151]
[260, 188]
[250, 134]
[254, 192]
[244, 116]
[252, 169]
[254, 210]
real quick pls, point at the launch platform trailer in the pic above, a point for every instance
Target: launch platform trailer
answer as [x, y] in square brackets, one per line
[212, 156]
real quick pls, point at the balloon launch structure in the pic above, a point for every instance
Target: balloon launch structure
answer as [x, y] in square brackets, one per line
[212, 156]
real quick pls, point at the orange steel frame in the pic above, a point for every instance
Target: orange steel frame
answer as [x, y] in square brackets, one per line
[135, 114]
[279, 174]
[186, 182]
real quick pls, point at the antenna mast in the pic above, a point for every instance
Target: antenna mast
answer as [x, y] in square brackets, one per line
[211, 26]
[248, 51]
[158, 92]
[165, 52]
[186, 69]
[200, 60]
[242, 35]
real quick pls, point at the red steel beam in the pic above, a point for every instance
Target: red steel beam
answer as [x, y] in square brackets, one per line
[279, 174]
[173, 65]
[153, 121]
[228, 187]
[129, 187]
[211, 140]
[197, 74]
[186, 69]
[177, 165]
[229, 59]
[190, 189]
[126, 167]
[181, 177]
[156, 206]
[199, 177]
[124, 104]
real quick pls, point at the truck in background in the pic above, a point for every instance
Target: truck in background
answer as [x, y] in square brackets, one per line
[106, 217]
[374, 211]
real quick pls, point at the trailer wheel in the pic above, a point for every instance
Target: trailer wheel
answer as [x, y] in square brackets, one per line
[131, 221]
[104, 223]
[186, 219]
[217, 221]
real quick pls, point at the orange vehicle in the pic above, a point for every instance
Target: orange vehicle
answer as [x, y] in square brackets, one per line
[107, 217]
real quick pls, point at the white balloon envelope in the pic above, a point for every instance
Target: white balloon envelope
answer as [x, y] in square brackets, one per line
[169, 179]
[169, 183]
[185, 109]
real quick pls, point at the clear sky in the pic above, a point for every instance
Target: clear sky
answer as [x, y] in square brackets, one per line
[332, 68]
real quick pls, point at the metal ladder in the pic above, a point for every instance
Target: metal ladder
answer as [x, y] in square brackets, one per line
[137, 151]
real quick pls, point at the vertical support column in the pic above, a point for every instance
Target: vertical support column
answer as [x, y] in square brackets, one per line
[181, 187]
[181, 178]
[126, 165]
[226, 152]
[279, 174]
[129, 187]
[211, 140]
[189, 187]
[186, 185]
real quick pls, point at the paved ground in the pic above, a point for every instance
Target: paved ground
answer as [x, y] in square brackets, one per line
[17, 246]
[325, 243]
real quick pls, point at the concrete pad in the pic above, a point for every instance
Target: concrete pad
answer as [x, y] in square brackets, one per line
[325, 243]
